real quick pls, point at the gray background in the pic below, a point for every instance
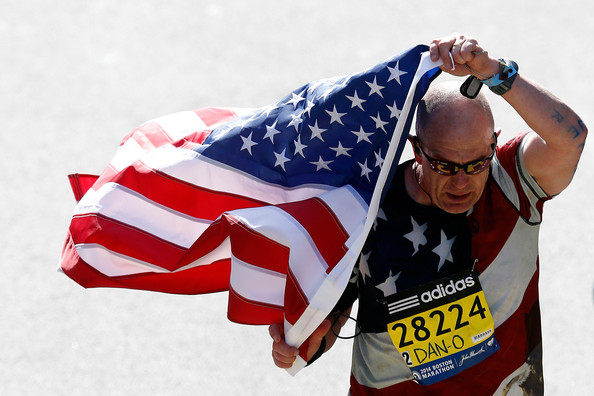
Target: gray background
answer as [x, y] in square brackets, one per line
[75, 76]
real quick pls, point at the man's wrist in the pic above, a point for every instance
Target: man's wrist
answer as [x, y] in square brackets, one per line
[502, 81]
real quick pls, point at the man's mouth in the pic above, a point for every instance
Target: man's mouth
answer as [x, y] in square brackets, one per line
[459, 197]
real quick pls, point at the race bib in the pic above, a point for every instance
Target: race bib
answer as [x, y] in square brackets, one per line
[442, 327]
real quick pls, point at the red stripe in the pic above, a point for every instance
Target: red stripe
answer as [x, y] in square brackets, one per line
[323, 226]
[213, 115]
[295, 299]
[192, 140]
[149, 136]
[488, 240]
[254, 248]
[81, 183]
[242, 310]
[198, 280]
[127, 240]
[177, 194]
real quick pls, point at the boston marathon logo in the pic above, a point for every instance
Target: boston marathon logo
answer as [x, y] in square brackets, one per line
[435, 292]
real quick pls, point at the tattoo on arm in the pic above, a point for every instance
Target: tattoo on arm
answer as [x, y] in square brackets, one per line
[574, 130]
[558, 116]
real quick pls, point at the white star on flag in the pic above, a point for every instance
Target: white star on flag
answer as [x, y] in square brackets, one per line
[295, 99]
[379, 161]
[444, 250]
[380, 215]
[379, 123]
[395, 73]
[394, 111]
[296, 121]
[364, 266]
[335, 116]
[375, 88]
[271, 131]
[365, 171]
[417, 235]
[388, 287]
[299, 147]
[340, 150]
[308, 108]
[316, 132]
[362, 135]
[248, 143]
[281, 159]
[356, 101]
[321, 164]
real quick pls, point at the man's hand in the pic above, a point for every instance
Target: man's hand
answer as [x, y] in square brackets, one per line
[283, 354]
[464, 50]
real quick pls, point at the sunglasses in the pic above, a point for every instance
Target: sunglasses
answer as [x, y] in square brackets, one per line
[447, 168]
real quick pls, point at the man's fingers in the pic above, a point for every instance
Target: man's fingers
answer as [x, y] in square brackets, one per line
[315, 340]
[322, 329]
[283, 354]
[276, 332]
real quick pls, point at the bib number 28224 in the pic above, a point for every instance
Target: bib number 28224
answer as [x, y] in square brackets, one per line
[442, 327]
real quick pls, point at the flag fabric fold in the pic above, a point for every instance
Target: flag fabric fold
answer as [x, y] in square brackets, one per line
[271, 204]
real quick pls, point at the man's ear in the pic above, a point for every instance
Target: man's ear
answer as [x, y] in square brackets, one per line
[414, 141]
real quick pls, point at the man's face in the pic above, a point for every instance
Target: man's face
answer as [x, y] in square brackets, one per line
[459, 192]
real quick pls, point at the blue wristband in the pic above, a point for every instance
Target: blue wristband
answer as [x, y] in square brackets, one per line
[501, 82]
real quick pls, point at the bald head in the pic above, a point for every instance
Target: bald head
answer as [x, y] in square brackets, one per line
[443, 107]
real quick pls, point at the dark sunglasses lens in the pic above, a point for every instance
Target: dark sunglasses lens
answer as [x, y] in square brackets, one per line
[444, 168]
[477, 167]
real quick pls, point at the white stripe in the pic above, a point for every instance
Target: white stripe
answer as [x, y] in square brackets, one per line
[179, 125]
[127, 154]
[124, 205]
[256, 283]
[112, 264]
[221, 252]
[404, 300]
[505, 280]
[414, 302]
[404, 307]
[348, 206]
[531, 188]
[193, 168]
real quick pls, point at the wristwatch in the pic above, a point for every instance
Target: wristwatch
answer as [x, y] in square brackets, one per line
[501, 82]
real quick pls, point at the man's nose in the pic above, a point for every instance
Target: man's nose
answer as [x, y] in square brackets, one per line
[460, 179]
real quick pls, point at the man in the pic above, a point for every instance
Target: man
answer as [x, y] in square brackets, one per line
[462, 205]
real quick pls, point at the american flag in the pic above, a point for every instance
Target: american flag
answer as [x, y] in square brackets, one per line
[271, 204]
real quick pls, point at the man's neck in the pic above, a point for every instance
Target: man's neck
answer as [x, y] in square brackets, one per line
[413, 187]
